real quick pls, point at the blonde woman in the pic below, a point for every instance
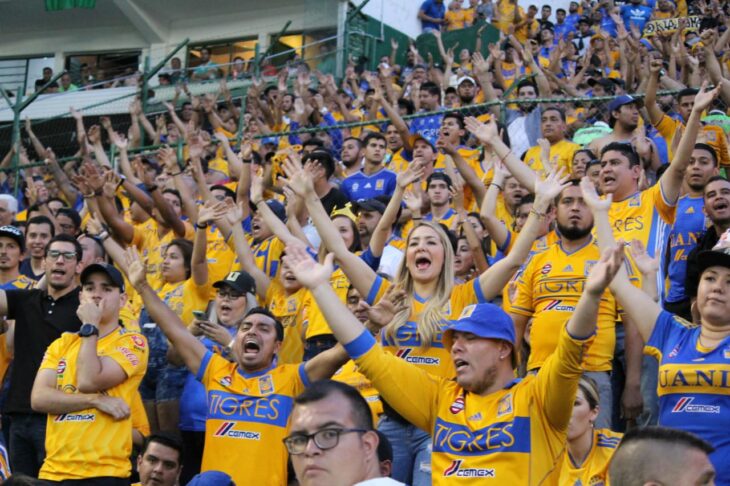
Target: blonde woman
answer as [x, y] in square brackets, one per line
[429, 297]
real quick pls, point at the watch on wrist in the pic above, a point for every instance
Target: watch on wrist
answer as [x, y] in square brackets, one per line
[88, 330]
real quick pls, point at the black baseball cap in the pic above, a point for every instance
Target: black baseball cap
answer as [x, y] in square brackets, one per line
[110, 270]
[718, 257]
[278, 208]
[370, 205]
[15, 234]
[240, 281]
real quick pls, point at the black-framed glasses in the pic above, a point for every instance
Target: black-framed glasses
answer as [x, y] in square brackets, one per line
[67, 255]
[324, 439]
[227, 294]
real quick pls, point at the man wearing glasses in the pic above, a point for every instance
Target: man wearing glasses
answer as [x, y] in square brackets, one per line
[332, 440]
[41, 316]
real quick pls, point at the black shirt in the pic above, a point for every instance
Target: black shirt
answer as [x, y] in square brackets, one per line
[692, 278]
[334, 199]
[39, 320]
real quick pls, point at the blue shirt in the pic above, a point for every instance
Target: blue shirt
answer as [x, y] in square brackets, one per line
[607, 23]
[688, 226]
[561, 30]
[360, 186]
[636, 14]
[693, 386]
[434, 10]
[427, 126]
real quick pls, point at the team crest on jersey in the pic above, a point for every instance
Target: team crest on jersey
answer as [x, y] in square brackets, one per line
[225, 381]
[138, 341]
[726, 353]
[504, 407]
[457, 406]
[546, 269]
[379, 184]
[635, 201]
[588, 266]
[596, 481]
[355, 186]
[61, 367]
[291, 305]
[266, 385]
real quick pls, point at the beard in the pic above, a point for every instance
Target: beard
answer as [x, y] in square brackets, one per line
[573, 233]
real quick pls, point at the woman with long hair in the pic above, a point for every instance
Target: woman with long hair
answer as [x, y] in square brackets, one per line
[425, 281]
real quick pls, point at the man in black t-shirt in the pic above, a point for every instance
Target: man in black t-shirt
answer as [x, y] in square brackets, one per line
[47, 75]
[323, 169]
[41, 316]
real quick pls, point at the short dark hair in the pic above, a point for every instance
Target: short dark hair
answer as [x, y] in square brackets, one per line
[64, 238]
[557, 109]
[626, 149]
[167, 440]
[459, 117]
[324, 159]
[373, 136]
[42, 220]
[355, 139]
[361, 415]
[709, 149]
[687, 92]
[227, 190]
[313, 142]
[175, 193]
[432, 88]
[385, 449]
[72, 215]
[560, 10]
[266, 312]
[715, 178]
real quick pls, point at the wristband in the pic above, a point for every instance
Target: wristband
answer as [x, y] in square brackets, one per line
[103, 236]
[229, 347]
[201, 226]
[497, 186]
[537, 213]
[247, 161]
[505, 155]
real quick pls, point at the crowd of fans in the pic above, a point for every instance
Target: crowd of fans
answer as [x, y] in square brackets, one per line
[499, 284]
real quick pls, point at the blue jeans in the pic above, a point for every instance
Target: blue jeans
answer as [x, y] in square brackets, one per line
[411, 451]
[162, 381]
[27, 443]
[649, 376]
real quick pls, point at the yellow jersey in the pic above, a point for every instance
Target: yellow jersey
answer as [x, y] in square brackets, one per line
[185, 297]
[316, 322]
[219, 255]
[89, 443]
[455, 19]
[247, 418]
[291, 310]
[594, 470]
[138, 414]
[405, 341]
[515, 435]
[667, 127]
[564, 150]
[448, 220]
[350, 375]
[152, 246]
[266, 254]
[548, 289]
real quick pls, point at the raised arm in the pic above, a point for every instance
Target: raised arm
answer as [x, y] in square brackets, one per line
[488, 214]
[209, 212]
[671, 181]
[234, 217]
[492, 281]
[189, 347]
[655, 113]
[641, 308]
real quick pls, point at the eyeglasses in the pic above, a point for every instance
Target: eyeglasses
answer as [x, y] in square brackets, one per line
[67, 255]
[229, 295]
[324, 439]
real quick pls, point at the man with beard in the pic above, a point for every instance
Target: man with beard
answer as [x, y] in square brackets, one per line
[688, 227]
[351, 156]
[624, 119]
[716, 200]
[41, 316]
[160, 462]
[466, 89]
[550, 286]
[552, 126]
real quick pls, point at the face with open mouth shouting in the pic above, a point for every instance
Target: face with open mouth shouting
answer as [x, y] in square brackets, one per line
[717, 201]
[62, 264]
[617, 174]
[256, 342]
[425, 254]
[478, 360]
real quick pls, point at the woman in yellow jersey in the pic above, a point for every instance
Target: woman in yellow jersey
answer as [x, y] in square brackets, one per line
[426, 276]
[589, 450]
[184, 288]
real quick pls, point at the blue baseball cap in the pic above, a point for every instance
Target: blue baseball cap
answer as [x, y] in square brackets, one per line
[622, 100]
[211, 478]
[483, 320]
[270, 141]
[276, 207]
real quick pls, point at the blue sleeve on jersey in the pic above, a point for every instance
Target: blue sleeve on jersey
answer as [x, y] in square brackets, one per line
[79, 203]
[392, 184]
[247, 224]
[478, 291]
[663, 328]
[303, 374]
[294, 138]
[345, 188]
[504, 247]
[361, 345]
[374, 290]
[372, 261]
[204, 365]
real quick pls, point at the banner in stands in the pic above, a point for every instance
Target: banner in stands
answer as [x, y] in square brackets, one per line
[669, 26]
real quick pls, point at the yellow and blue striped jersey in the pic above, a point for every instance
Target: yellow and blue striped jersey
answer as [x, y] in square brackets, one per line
[247, 418]
[513, 436]
[407, 344]
[22, 282]
[694, 386]
[291, 310]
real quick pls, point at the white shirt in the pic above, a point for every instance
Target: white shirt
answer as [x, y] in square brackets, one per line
[380, 482]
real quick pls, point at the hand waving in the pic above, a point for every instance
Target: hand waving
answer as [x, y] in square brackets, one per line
[307, 271]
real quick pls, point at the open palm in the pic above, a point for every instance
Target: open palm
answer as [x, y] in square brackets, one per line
[307, 271]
